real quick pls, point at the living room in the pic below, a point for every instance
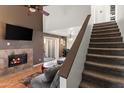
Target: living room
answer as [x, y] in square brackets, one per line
[46, 43]
[56, 30]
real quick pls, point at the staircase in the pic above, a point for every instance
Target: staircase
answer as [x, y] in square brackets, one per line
[104, 66]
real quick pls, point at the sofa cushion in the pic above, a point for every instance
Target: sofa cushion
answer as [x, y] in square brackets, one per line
[38, 82]
[43, 78]
[50, 73]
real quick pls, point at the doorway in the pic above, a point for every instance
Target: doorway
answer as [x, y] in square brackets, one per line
[103, 13]
[51, 47]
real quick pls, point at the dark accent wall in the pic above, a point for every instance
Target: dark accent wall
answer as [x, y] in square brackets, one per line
[15, 44]
[17, 15]
[38, 47]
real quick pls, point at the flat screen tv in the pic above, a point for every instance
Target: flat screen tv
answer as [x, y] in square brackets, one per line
[14, 32]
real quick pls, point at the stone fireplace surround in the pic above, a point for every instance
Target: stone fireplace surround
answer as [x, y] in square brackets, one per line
[5, 70]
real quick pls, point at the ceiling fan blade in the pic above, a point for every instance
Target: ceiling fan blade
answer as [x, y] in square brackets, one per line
[45, 13]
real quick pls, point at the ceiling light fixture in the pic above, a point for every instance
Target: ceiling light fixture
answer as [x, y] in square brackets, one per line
[36, 8]
[32, 9]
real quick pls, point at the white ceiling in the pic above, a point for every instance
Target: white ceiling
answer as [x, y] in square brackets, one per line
[66, 32]
[62, 18]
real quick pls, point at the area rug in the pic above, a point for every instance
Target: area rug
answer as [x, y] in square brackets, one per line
[27, 81]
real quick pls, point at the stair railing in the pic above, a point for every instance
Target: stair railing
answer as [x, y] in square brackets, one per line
[68, 63]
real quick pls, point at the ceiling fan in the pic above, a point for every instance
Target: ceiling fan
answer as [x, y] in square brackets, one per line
[36, 8]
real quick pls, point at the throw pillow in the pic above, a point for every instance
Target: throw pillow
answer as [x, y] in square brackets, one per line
[56, 81]
[50, 73]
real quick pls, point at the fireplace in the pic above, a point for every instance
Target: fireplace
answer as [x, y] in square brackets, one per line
[17, 59]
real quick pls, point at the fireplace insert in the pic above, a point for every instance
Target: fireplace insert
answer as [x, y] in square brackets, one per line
[17, 59]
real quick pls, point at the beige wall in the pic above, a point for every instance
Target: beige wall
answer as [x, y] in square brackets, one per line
[17, 15]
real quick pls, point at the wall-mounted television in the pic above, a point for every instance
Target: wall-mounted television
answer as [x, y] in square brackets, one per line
[14, 32]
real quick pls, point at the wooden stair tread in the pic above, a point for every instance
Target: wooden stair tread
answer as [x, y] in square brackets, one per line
[109, 33]
[105, 27]
[85, 84]
[106, 48]
[106, 34]
[107, 77]
[106, 43]
[106, 56]
[107, 37]
[116, 67]
[105, 23]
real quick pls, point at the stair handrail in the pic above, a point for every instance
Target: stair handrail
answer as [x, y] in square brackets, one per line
[67, 65]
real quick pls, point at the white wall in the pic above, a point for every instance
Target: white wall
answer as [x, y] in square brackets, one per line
[120, 18]
[75, 75]
[63, 82]
[101, 13]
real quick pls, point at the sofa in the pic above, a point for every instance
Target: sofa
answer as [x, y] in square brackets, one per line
[48, 79]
